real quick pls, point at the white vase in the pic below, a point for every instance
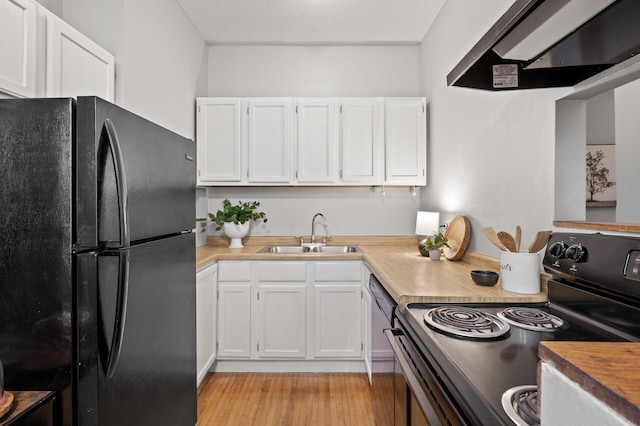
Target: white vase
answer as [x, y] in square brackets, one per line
[434, 254]
[236, 233]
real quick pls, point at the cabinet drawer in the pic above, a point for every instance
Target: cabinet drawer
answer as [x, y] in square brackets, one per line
[338, 271]
[282, 271]
[234, 271]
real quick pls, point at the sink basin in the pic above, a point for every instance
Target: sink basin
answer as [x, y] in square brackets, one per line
[337, 249]
[285, 249]
[306, 249]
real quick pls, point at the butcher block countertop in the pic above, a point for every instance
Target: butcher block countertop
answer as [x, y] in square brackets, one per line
[396, 262]
[609, 371]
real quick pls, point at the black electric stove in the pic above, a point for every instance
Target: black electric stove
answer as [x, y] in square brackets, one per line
[594, 296]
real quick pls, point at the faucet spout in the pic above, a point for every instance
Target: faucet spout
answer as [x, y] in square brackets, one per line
[313, 232]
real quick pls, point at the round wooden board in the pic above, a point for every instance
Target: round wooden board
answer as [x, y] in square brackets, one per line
[458, 233]
[5, 403]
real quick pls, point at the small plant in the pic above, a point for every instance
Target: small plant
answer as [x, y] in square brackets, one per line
[435, 242]
[239, 213]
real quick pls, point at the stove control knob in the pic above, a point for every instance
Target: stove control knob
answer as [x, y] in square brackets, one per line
[577, 253]
[558, 249]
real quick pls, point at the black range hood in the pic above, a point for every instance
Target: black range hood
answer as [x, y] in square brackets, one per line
[607, 35]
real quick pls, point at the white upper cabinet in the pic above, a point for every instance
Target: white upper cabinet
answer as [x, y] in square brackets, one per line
[311, 141]
[317, 140]
[361, 140]
[269, 139]
[18, 21]
[405, 141]
[76, 66]
[219, 144]
[41, 55]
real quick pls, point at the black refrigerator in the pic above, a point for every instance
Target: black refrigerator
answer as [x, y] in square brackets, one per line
[97, 262]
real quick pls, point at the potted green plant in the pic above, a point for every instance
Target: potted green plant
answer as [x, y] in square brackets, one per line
[434, 244]
[234, 220]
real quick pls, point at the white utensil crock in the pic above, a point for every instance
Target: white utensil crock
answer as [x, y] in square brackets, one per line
[520, 272]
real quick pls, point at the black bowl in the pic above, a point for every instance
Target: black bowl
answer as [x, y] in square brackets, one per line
[486, 278]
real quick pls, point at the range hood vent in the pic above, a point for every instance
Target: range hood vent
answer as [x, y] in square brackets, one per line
[551, 43]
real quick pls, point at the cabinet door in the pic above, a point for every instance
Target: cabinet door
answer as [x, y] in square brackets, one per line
[76, 66]
[361, 140]
[366, 327]
[317, 156]
[18, 22]
[234, 319]
[282, 320]
[269, 140]
[218, 140]
[206, 311]
[338, 321]
[405, 141]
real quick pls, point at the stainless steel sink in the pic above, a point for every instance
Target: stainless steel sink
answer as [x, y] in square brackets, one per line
[310, 250]
[337, 249]
[285, 249]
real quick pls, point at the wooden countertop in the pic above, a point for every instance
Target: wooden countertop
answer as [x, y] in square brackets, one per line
[396, 262]
[609, 371]
[24, 403]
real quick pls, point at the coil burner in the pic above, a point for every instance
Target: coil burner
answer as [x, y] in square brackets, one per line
[531, 319]
[521, 405]
[466, 322]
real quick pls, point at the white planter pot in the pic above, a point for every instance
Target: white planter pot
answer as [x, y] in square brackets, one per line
[434, 254]
[236, 233]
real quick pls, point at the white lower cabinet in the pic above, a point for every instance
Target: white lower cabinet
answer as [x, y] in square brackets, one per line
[337, 322]
[234, 309]
[290, 310]
[282, 314]
[366, 320]
[206, 307]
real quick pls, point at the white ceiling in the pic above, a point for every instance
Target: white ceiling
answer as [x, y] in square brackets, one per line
[267, 22]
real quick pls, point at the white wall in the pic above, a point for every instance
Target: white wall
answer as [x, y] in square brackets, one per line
[319, 71]
[627, 129]
[161, 60]
[491, 154]
[313, 71]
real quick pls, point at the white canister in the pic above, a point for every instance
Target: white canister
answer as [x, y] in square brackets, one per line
[520, 272]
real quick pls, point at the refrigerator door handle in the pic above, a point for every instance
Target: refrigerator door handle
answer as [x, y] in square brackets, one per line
[121, 181]
[121, 314]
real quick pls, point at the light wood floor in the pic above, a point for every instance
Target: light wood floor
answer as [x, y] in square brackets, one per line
[337, 399]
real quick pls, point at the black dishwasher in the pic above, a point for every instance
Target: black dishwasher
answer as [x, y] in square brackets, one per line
[387, 410]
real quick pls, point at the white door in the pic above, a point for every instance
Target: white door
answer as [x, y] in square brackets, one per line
[316, 131]
[76, 66]
[18, 22]
[206, 311]
[234, 320]
[218, 140]
[405, 141]
[282, 320]
[337, 322]
[269, 140]
[361, 140]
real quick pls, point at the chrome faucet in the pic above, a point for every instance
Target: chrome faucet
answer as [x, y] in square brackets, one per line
[326, 229]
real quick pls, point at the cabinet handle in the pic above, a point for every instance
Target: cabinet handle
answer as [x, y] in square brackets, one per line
[340, 173]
